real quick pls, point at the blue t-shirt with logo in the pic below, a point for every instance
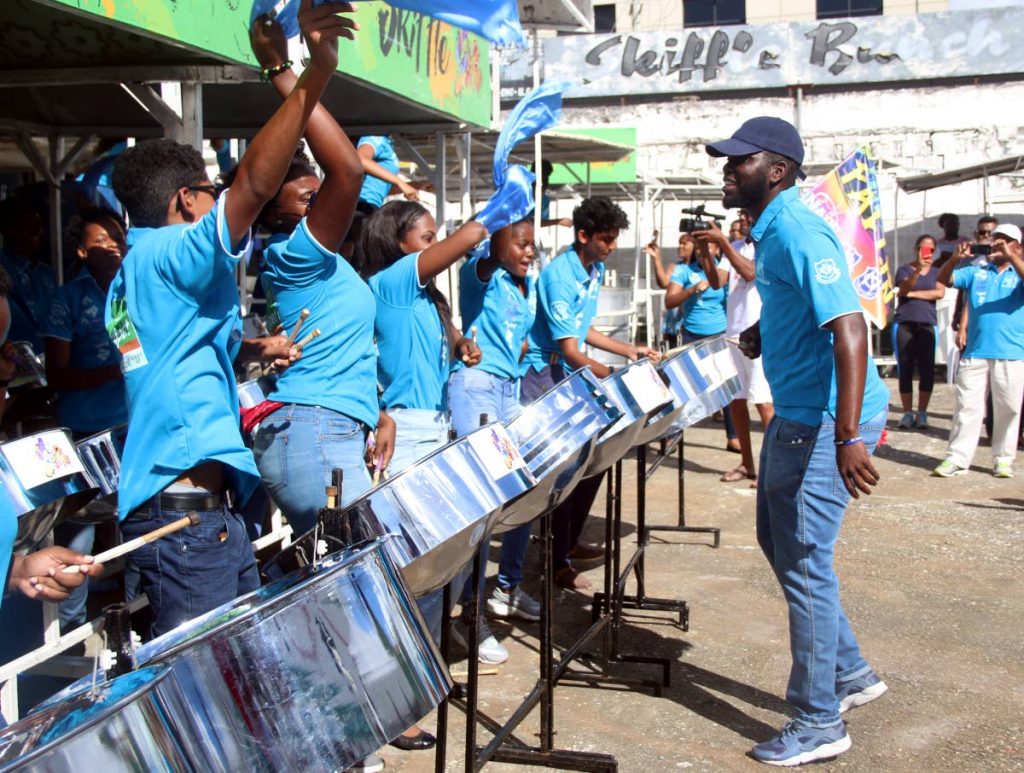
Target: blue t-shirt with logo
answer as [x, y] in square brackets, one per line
[703, 313]
[172, 311]
[375, 190]
[995, 325]
[337, 370]
[33, 286]
[412, 345]
[8, 533]
[501, 314]
[76, 316]
[804, 284]
[566, 305]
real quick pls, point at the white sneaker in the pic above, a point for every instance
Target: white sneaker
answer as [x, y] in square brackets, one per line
[491, 651]
[513, 603]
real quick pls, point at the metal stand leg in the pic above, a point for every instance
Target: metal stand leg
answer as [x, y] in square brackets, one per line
[473, 665]
[681, 500]
[441, 749]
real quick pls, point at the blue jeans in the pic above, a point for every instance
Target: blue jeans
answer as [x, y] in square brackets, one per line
[801, 500]
[418, 433]
[296, 449]
[77, 537]
[472, 393]
[193, 570]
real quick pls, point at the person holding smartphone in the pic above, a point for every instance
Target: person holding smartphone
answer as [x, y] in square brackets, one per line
[914, 331]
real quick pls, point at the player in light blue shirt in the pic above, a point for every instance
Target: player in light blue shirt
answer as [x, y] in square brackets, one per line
[703, 305]
[830, 410]
[994, 356]
[173, 310]
[380, 167]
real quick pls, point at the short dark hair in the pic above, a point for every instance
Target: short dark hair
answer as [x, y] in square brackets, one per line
[147, 175]
[6, 285]
[598, 213]
[988, 219]
[75, 230]
[946, 216]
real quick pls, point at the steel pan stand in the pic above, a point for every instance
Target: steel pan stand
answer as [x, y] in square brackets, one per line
[606, 612]
[505, 746]
[677, 443]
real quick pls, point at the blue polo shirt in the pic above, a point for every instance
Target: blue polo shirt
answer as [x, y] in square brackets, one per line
[34, 285]
[76, 316]
[412, 345]
[995, 325]
[501, 313]
[804, 284]
[703, 313]
[8, 532]
[338, 370]
[172, 311]
[375, 190]
[566, 305]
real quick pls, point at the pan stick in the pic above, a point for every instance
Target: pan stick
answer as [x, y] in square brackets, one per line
[295, 330]
[472, 337]
[192, 519]
[307, 339]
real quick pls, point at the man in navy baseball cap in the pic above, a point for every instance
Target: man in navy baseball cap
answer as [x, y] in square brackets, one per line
[763, 133]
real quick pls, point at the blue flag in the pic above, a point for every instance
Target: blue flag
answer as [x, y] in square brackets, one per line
[496, 20]
[284, 12]
[539, 110]
[512, 202]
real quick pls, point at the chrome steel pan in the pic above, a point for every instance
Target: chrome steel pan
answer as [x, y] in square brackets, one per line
[702, 379]
[441, 509]
[101, 456]
[138, 722]
[556, 435]
[43, 477]
[29, 368]
[640, 393]
[252, 393]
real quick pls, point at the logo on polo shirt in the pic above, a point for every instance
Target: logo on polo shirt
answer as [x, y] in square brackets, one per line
[826, 271]
[124, 335]
[561, 311]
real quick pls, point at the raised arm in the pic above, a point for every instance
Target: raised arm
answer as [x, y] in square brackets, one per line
[945, 277]
[663, 276]
[741, 265]
[266, 161]
[439, 256]
[366, 153]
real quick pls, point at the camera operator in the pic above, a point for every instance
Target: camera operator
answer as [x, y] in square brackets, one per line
[994, 306]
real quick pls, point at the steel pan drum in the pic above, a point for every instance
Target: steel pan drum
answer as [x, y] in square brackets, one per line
[138, 722]
[44, 478]
[252, 393]
[101, 456]
[640, 393]
[311, 672]
[556, 435]
[441, 508]
[29, 370]
[702, 379]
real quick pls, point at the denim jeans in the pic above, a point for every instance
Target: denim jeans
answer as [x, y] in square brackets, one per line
[801, 500]
[473, 393]
[418, 434]
[194, 570]
[77, 537]
[296, 449]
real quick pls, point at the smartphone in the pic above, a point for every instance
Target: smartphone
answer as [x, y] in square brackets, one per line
[981, 249]
[926, 251]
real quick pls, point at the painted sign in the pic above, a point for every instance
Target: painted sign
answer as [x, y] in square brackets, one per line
[848, 200]
[621, 171]
[837, 51]
[413, 56]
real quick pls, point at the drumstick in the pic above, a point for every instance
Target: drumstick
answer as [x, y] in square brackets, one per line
[376, 475]
[481, 672]
[307, 339]
[472, 337]
[295, 330]
[192, 519]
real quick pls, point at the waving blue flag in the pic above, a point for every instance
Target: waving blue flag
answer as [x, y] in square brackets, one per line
[539, 110]
[285, 12]
[512, 202]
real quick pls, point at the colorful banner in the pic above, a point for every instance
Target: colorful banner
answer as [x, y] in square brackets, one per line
[847, 198]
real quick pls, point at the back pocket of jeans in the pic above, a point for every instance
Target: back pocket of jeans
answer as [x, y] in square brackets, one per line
[794, 434]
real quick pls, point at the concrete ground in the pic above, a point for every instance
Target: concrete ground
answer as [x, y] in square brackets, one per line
[931, 578]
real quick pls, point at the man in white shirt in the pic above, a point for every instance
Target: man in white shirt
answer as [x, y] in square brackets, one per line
[742, 309]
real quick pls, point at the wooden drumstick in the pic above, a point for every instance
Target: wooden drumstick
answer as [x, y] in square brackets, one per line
[472, 337]
[307, 339]
[192, 519]
[295, 330]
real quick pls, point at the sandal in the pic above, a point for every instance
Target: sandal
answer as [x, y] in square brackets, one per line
[738, 473]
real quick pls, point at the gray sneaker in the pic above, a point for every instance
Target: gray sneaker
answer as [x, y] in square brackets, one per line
[907, 420]
[513, 602]
[491, 651]
[856, 692]
[922, 420]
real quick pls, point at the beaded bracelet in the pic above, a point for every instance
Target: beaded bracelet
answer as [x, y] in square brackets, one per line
[849, 441]
[269, 73]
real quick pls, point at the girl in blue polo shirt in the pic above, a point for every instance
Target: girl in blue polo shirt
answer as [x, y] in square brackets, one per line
[498, 301]
[328, 398]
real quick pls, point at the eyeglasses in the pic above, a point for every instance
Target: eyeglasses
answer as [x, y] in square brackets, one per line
[210, 190]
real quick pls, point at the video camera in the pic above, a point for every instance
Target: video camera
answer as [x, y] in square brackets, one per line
[697, 223]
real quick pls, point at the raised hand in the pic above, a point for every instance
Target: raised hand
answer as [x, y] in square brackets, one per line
[321, 26]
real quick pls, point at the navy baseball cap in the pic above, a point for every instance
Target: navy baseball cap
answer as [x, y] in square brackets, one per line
[762, 133]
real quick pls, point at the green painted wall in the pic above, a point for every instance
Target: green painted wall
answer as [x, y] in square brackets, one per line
[418, 58]
[622, 171]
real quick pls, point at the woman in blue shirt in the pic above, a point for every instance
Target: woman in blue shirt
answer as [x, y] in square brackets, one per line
[327, 399]
[672, 320]
[498, 301]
